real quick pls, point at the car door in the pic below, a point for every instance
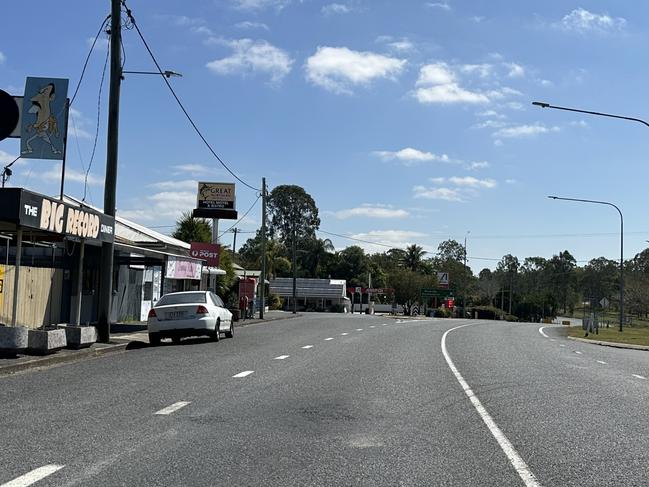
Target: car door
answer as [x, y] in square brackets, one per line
[218, 307]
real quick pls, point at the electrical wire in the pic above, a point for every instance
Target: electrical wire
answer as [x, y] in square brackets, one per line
[244, 215]
[94, 145]
[76, 139]
[180, 104]
[85, 64]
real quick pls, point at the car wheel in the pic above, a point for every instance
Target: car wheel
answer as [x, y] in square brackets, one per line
[175, 340]
[154, 339]
[230, 333]
[217, 334]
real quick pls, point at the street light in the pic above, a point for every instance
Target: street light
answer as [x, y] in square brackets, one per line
[589, 112]
[465, 287]
[621, 246]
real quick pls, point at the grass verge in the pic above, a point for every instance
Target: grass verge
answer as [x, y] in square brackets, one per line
[632, 335]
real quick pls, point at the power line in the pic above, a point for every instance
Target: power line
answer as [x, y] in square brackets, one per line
[240, 219]
[85, 64]
[180, 104]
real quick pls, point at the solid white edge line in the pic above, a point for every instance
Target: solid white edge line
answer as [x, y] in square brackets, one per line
[542, 332]
[245, 373]
[515, 459]
[281, 357]
[34, 476]
[639, 376]
[173, 408]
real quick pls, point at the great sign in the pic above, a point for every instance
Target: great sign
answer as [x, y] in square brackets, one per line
[216, 196]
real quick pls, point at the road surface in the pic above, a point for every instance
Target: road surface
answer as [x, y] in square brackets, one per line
[336, 400]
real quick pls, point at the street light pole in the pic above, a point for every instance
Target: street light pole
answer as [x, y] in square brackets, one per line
[621, 246]
[589, 112]
[465, 286]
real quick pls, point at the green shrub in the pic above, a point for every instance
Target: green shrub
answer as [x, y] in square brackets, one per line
[443, 313]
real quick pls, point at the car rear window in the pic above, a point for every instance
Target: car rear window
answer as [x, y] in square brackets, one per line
[183, 298]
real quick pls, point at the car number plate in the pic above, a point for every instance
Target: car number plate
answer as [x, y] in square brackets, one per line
[175, 315]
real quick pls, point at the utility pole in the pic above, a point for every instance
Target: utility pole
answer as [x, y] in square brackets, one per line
[234, 241]
[262, 290]
[110, 186]
[294, 269]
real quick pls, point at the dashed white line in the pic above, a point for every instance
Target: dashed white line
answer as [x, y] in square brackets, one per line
[578, 352]
[173, 408]
[515, 459]
[282, 357]
[542, 332]
[384, 324]
[307, 346]
[344, 334]
[245, 373]
[639, 376]
[359, 329]
[34, 476]
[601, 362]
[561, 345]
[327, 339]
[372, 326]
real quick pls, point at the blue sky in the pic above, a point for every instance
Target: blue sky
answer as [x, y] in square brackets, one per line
[408, 122]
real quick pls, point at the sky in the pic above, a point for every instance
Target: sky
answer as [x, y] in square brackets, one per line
[407, 121]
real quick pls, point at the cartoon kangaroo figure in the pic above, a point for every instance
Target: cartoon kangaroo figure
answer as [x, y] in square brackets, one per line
[45, 124]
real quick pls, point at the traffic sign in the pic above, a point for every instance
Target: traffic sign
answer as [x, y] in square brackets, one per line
[431, 292]
[10, 112]
[442, 279]
[604, 302]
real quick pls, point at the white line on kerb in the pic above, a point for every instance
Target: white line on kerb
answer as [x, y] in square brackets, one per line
[245, 373]
[173, 408]
[515, 459]
[307, 346]
[282, 357]
[542, 332]
[327, 339]
[639, 376]
[601, 362]
[34, 476]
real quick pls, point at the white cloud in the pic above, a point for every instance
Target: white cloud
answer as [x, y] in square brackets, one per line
[483, 70]
[100, 45]
[402, 45]
[526, 130]
[184, 20]
[6, 158]
[410, 156]
[192, 169]
[515, 70]
[392, 238]
[247, 24]
[582, 21]
[54, 174]
[203, 30]
[79, 124]
[440, 5]
[163, 205]
[338, 69]
[490, 124]
[579, 123]
[446, 194]
[510, 181]
[471, 182]
[491, 114]
[371, 211]
[190, 184]
[474, 166]
[437, 83]
[259, 4]
[335, 8]
[253, 57]
[3, 58]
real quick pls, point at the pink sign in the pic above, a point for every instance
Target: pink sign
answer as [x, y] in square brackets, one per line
[178, 268]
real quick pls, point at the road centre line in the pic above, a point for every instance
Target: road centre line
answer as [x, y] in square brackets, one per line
[327, 339]
[359, 329]
[173, 408]
[639, 376]
[281, 357]
[601, 362]
[307, 346]
[344, 334]
[561, 345]
[542, 332]
[245, 373]
[515, 459]
[578, 352]
[34, 476]
[372, 326]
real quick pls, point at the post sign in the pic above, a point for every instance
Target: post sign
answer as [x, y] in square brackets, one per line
[216, 196]
[44, 118]
[2, 285]
[207, 252]
[442, 279]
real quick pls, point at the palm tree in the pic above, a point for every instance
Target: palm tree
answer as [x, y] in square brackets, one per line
[190, 229]
[413, 256]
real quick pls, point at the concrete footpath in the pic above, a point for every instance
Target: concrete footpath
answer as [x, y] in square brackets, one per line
[123, 336]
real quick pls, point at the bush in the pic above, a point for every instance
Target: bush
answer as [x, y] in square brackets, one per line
[275, 302]
[336, 308]
[443, 313]
[511, 318]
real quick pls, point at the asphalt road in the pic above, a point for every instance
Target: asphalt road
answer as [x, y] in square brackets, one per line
[372, 401]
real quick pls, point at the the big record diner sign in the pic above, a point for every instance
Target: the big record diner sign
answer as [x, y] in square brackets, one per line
[34, 210]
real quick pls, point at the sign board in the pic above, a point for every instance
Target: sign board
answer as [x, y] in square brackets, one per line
[379, 290]
[604, 303]
[442, 279]
[34, 210]
[216, 196]
[19, 104]
[9, 115]
[359, 290]
[431, 292]
[179, 268]
[450, 303]
[207, 252]
[44, 119]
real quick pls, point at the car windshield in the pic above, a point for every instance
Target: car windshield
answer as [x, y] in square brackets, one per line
[181, 298]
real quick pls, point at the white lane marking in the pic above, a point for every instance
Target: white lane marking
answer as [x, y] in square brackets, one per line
[578, 352]
[601, 362]
[372, 326]
[561, 345]
[173, 408]
[307, 346]
[359, 329]
[385, 324]
[282, 357]
[245, 373]
[639, 376]
[552, 340]
[515, 459]
[327, 339]
[344, 334]
[542, 332]
[34, 476]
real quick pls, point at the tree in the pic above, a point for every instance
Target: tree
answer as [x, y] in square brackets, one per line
[413, 256]
[450, 250]
[507, 270]
[562, 267]
[407, 287]
[292, 208]
[317, 252]
[353, 266]
[190, 229]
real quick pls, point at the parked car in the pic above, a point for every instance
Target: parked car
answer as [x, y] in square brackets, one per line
[189, 313]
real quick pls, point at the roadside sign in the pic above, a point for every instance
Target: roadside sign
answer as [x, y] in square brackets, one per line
[442, 279]
[9, 114]
[359, 290]
[216, 196]
[431, 292]
[604, 302]
[206, 251]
